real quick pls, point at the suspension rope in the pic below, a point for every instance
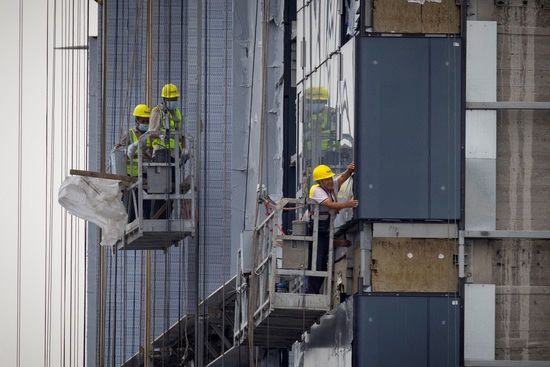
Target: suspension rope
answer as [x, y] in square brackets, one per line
[19, 185]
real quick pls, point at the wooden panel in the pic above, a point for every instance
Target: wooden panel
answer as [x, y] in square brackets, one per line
[443, 17]
[398, 16]
[402, 16]
[414, 265]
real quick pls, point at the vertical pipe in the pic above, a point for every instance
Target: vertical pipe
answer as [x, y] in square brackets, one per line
[103, 250]
[461, 278]
[147, 331]
[149, 99]
[461, 254]
[149, 53]
[199, 339]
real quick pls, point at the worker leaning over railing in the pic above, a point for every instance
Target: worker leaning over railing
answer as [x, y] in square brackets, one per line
[325, 193]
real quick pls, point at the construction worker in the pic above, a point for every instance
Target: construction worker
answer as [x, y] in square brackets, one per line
[320, 141]
[325, 193]
[163, 116]
[168, 108]
[130, 139]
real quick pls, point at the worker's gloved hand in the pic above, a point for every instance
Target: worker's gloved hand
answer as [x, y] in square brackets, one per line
[184, 156]
[132, 150]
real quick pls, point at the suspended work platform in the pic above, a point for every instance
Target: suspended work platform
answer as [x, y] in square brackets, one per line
[161, 203]
[156, 234]
[273, 281]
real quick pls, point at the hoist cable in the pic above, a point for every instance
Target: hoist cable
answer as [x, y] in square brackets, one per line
[225, 178]
[205, 209]
[250, 306]
[50, 179]
[19, 186]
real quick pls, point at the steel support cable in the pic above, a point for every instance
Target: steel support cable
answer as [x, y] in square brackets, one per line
[66, 130]
[82, 16]
[102, 261]
[19, 186]
[134, 297]
[250, 306]
[125, 120]
[224, 220]
[264, 121]
[166, 311]
[198, 356]
[50, 179]
[205, 126]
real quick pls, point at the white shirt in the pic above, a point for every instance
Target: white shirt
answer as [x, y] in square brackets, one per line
[320, 195]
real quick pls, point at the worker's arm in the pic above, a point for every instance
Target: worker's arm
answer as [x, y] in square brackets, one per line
[154, 121]
[346, 174]
[340, 204]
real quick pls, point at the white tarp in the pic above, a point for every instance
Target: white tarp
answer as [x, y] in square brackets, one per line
[97, 200]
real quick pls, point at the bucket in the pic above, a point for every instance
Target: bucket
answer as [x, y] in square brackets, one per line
[299, 227]
[118, 161]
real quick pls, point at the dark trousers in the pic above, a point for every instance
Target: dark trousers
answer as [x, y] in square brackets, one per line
[314, 284]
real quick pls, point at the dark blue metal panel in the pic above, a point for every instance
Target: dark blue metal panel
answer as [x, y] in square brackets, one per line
[406, 330]
[392, 128]
[445, 128]
[444, 329]
[407, 128]
[391, 331]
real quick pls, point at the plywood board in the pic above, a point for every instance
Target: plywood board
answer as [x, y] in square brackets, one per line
[397, 16]
[414, 265]
[403, 16]
[443, 17]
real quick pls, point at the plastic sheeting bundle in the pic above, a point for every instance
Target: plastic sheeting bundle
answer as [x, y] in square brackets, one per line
[97, 200]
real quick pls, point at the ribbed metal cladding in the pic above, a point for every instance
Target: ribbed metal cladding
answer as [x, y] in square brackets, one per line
[174, 61]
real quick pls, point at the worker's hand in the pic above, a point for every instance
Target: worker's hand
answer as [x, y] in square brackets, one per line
[132, 150]
[351, 166]
[352, 203]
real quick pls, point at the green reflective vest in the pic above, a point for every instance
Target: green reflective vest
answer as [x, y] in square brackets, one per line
[175, 124]
[132, 166]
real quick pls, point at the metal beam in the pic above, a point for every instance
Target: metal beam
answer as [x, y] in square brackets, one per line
[507, 234]
[475, 363]
[508, 105]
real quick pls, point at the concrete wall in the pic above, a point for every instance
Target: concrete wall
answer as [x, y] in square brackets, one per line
[519, 268]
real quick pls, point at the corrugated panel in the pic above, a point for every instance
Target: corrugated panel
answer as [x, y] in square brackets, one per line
[175, 43]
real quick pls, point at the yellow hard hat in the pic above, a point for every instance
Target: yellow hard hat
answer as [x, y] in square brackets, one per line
[317, 93]
[321, 172]
[142, 110]
[170, 91]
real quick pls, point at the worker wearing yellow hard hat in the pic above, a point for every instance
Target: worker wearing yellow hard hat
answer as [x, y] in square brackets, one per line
[325, 193]
[130, 138]
[166, 116]
[169, 108]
